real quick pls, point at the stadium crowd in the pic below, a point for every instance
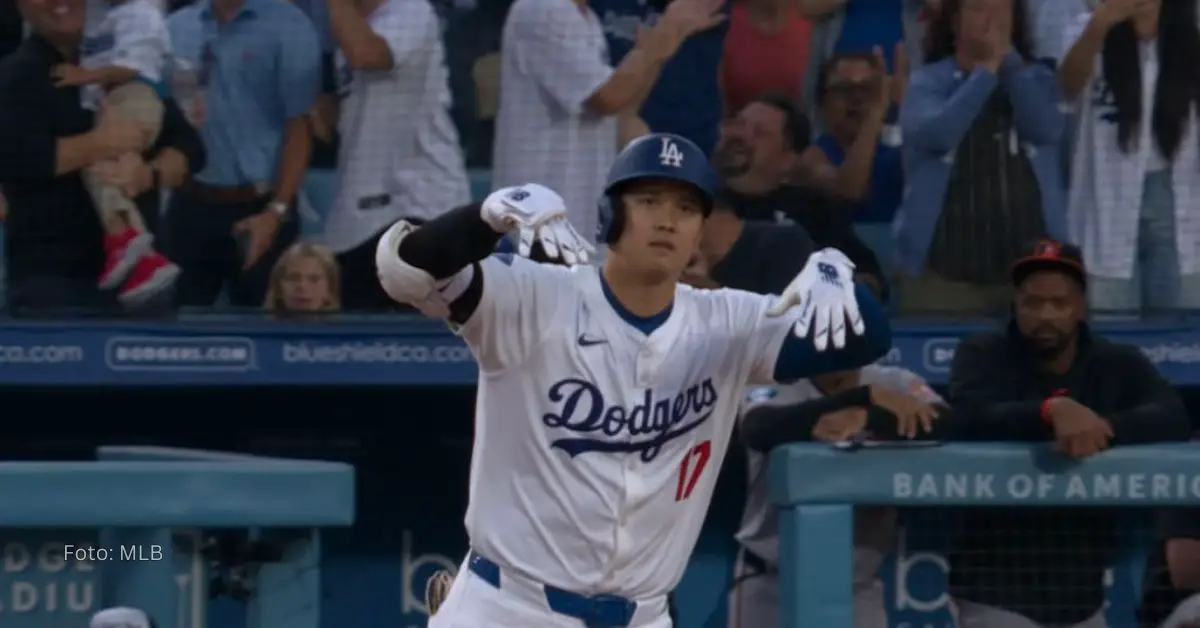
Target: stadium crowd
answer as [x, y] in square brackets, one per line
[860, 121]
[931, 140]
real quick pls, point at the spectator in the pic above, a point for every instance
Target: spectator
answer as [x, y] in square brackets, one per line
[766, 51]
[1131, 66]
[1172, 580]
[123, 54]
[981, 126]
[304, 280]
[53, 239]
[758, 156]
[1048, 378]
[834, 407]
[560, 101]
[860, 26]
[853, 159]
[686, 98]
[401, 156]
[472, 43]
[260, 78]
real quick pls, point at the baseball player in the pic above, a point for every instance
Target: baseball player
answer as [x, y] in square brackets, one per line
[607, 396]
[831, 407]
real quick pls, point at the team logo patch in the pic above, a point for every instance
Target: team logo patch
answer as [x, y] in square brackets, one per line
[670, 155]
[829, 273]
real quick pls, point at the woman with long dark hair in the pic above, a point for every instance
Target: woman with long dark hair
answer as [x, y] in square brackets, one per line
[1133, 67]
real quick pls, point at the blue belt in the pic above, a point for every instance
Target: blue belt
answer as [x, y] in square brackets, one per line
[597, 611]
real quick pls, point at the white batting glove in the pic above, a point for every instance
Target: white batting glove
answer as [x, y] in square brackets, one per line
[824, 290]
[540, 215]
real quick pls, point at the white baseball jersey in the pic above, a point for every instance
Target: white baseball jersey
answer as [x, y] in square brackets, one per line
[553, 57]
[129, 34]
[399, 155]
[596, 446]
[873, 527]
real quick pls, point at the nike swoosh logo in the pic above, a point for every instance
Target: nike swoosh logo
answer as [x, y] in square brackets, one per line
[585, 341]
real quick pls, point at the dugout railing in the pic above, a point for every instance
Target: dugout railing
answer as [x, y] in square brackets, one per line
[263, 514]
[816, 487]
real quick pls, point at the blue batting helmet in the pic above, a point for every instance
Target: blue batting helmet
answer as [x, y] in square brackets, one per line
[654, 156]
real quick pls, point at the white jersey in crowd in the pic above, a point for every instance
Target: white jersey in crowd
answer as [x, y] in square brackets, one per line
[1107, 182]
[130, 34]
[873, 529]
[399, 156]
[597, 447]
[553, 58]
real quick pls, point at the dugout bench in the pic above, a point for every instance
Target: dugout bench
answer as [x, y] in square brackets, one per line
[816, 486]
[258, 519]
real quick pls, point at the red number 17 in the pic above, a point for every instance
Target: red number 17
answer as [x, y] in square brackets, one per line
[690, 469]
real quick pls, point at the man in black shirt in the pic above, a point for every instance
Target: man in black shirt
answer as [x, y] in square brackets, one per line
[760, 257]
[1170, 597]
[53, 238]
[1047, 379]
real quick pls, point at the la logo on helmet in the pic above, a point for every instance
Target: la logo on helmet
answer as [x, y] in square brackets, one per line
[670, 155]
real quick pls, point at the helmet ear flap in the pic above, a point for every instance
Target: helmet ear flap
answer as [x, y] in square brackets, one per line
[612, 219]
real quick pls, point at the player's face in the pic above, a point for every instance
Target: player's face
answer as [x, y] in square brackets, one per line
[1049, 307]
[663, 223]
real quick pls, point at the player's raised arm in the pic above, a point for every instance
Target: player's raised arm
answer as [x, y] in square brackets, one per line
[445, 268]
[795, 330]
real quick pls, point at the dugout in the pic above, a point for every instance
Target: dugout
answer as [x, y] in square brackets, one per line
[411, 446]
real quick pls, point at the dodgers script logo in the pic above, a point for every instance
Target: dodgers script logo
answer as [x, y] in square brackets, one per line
[650, 424]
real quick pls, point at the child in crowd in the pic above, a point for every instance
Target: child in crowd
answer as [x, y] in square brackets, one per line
[305, 280]
[125, 48]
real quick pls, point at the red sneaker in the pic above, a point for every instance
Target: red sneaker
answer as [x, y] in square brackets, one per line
[151, 275]
[122, 252]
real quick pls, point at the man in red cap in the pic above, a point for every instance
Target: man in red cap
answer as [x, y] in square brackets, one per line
[1048, 378]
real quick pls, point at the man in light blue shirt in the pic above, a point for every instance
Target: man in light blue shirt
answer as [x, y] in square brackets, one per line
[259, 69]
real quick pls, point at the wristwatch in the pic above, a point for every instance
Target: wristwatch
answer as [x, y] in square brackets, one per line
[279, 207]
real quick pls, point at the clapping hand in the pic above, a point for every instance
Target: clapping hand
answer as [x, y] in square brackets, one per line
[680, 20]
[891, 86]
[824, 290]
[538, 214]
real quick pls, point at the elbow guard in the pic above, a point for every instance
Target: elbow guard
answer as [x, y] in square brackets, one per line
[403, 281]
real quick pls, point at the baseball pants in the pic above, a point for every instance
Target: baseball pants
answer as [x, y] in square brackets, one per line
[520, 603]
[754, 599]
[973, 615]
